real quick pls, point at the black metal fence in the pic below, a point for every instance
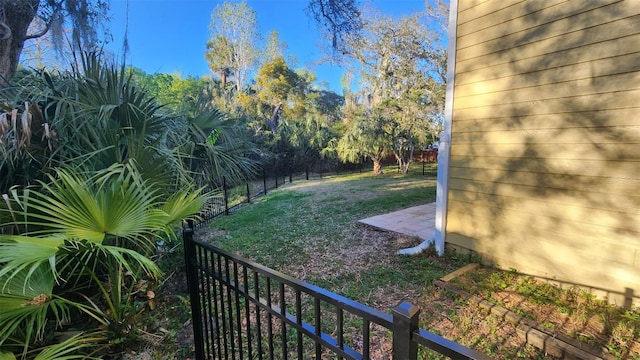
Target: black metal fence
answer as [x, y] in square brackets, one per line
[243, 310]
[424, 161]
[227, 197]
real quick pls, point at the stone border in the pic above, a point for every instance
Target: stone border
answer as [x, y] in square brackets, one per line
[557, 345]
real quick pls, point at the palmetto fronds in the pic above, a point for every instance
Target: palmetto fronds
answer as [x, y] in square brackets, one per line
[92, 173]
[82, 231]
[27, 302]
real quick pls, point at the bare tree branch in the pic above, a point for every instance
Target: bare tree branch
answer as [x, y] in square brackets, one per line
[339, 17]
[42, 32]
[56, 6]
[6, 31]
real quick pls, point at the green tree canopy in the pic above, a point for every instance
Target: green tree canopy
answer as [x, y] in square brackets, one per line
[400, 65]
[280, 89]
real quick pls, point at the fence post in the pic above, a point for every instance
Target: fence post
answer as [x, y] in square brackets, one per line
[405, 322]
[264, 180]
[290, 174]
[192, 284]
[226, 195]
[248, 194]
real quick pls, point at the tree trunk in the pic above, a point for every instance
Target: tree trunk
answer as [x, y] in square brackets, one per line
[404, 157]
[13, 29]
[403, 164]
[223, 76]
[273, 121]
[409, 159]
[377, 167]
[377, 156]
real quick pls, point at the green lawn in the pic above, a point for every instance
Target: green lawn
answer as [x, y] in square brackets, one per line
[310, 230]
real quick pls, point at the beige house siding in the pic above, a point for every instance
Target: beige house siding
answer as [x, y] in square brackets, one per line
[545, 139]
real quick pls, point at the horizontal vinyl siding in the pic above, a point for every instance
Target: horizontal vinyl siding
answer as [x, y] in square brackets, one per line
[580, 30]
[545, 144]
[547, 19]
[615, 65]
[528, 224]
[595, 186]
[606, 171]
[471, 10]
[475, 71]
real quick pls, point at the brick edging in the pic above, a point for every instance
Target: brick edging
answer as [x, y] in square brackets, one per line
[554, 344]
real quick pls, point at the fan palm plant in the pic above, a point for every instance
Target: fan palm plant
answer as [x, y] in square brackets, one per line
[212, 147]
[83, 235]
[80, 241]
[100, 117]
[109, 120]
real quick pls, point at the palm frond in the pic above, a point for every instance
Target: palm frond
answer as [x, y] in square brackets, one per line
[5, 355]
[115, 202]
[86, 253]
[183, 204]
[23, 255]
[74, 347]
[26, 301]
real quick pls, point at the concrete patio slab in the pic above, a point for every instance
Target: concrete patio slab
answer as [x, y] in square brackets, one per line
[416, 221]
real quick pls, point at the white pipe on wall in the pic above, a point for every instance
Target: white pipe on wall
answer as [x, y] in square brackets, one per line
[444, 148]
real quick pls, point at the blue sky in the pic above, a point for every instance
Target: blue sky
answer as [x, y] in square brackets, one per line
[169, 36]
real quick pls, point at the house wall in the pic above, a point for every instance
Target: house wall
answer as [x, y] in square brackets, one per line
[545, 140]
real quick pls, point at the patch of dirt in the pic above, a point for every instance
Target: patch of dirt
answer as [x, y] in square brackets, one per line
[167, 332]
[571, 315]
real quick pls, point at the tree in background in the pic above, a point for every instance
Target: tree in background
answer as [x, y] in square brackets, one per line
[274, 48]
[366, 135]
[175, 92]
[400, 66]
[279, 90]
[232, 49]
[220, 57]
[309, 139]
[17, 16]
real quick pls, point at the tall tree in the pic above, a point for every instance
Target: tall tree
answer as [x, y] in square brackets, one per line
[232, 46]
[401, 68]
[17, 16]
[220, 57]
